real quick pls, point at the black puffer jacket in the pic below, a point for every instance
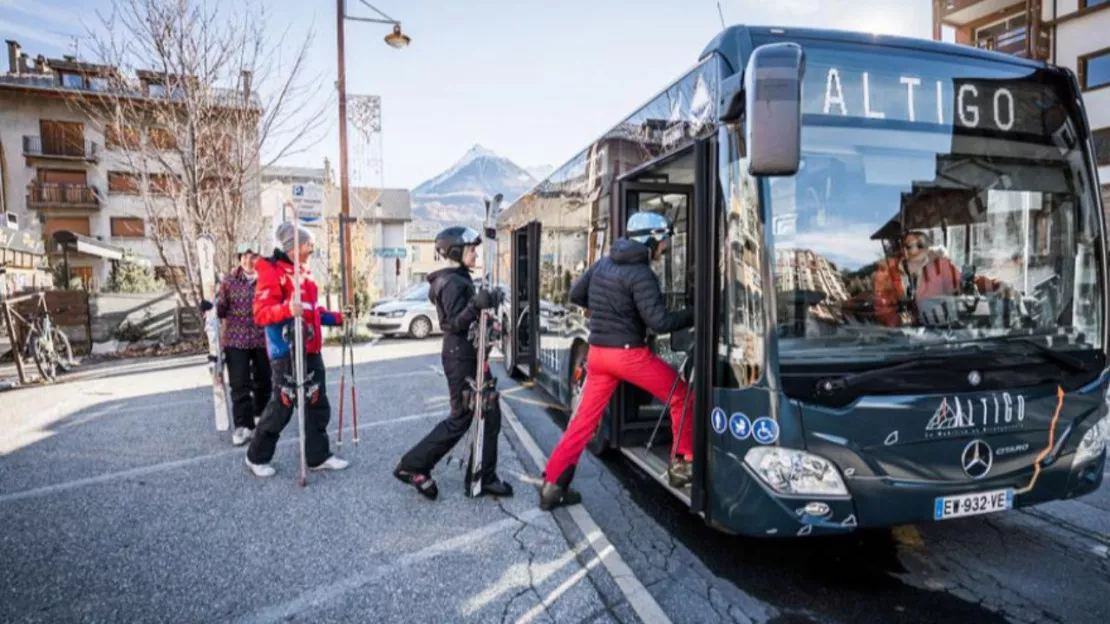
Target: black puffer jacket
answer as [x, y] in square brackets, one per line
[624, 300]
[452, 291]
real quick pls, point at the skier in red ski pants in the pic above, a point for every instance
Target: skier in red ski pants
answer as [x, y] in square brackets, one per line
[623, 297]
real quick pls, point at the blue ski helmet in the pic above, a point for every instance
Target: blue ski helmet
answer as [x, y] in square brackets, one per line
[649, 228]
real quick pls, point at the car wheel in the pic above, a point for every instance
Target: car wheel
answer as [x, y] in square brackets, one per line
[420, 328]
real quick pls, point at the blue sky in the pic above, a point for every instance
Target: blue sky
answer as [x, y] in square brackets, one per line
[534, 81]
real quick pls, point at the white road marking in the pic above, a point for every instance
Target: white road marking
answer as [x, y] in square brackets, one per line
[332, 590]
[145, 470]
[641, 600]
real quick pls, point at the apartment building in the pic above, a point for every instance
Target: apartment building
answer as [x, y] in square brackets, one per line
[1069, 33]
[64, 179]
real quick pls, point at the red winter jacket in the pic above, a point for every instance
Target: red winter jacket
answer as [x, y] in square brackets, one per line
[272, 295]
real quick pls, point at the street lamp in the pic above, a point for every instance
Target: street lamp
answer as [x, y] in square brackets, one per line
[396, 40]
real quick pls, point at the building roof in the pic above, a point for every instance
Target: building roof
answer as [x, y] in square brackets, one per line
[381, 204]
[278, 172]
[423, 230]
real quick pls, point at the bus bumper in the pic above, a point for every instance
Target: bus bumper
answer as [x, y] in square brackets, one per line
[745, 505]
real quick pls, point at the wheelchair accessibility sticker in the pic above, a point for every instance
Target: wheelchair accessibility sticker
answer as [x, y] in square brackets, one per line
[765, 430]
[720, 422]
[740, 426]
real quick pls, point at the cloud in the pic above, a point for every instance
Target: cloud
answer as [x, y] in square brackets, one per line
[25, 31]
[41, 10]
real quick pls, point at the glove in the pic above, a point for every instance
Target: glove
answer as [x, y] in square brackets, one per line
[486, 299]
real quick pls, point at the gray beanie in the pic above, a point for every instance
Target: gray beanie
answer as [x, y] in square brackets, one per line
[284, 236]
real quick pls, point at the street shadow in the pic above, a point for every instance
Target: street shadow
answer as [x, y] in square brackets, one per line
[117, 434]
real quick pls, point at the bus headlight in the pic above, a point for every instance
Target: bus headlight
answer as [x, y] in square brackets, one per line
[1094, 442]
[790, 471]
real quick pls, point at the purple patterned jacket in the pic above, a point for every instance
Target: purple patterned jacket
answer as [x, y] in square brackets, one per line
[235, 303]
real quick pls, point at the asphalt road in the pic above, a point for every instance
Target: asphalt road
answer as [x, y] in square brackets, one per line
[120, 502]
[1051, 564]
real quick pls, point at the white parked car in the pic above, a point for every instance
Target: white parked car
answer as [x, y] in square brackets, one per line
[411, 314]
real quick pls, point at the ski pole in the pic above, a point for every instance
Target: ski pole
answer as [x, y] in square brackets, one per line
[298, 347]
[354, 392]
[342, 379]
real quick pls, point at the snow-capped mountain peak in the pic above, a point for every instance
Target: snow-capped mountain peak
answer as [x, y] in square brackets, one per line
[456, 194]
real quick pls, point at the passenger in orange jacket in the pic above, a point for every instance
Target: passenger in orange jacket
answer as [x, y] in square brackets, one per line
[275, 310]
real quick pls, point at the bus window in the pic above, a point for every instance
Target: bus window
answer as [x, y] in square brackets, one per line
[743, 331]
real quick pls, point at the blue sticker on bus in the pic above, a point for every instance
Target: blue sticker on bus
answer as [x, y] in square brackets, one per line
[720, 422]
[740, 426]
[765, 430]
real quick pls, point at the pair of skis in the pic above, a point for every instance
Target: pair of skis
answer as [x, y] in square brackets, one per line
[206, 260]
[483, 385]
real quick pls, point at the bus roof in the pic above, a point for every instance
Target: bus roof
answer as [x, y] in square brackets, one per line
[735, 43]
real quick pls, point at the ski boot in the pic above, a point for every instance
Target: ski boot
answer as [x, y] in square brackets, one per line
[679, 473]
[422, 482]
[559, 494]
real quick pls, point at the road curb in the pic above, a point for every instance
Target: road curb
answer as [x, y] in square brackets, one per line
[639, 598]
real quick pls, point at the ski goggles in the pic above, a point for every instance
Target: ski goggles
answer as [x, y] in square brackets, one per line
[470, 237]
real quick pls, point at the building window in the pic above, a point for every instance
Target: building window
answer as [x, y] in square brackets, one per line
[120, 182]
[163, 184]
[116, 137]
[1102, 146]
[167, 228]
[77, 225]
[128, 227]
[156, 89]
[1094, 69]
[1086, 4]
[98, 83]
[162, 138]
[73, 81]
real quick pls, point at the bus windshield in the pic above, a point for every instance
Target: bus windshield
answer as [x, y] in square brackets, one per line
[940, 200]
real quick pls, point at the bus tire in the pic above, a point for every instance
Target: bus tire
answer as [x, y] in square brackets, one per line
[576, 381]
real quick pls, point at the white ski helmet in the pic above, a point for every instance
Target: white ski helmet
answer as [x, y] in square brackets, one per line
[649, 228]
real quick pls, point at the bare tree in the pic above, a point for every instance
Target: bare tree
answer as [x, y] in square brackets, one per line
[199, 98]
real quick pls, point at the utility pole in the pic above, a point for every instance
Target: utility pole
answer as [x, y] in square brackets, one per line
[344, 188]
[397, 40]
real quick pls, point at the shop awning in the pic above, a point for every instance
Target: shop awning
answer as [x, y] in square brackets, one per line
[87, 245]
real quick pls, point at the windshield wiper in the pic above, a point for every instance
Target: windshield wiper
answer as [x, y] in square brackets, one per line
[830, 385]
[1051, 354]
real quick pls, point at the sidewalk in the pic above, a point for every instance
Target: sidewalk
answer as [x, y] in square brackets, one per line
[121, 502]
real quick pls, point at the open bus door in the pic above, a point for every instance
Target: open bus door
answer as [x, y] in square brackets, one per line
[524, 302]
[642, 427]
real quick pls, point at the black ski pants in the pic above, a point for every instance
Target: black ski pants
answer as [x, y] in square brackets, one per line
[445, 435]
[277, 414]
[248, 372]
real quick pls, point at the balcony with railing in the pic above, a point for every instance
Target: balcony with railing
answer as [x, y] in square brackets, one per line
[45, 195]
[75, 150]
[962, 12]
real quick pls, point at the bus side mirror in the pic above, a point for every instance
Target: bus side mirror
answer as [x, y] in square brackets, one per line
[773, 102]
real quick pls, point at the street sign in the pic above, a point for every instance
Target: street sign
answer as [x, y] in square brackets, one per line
[391, 252]
[308, 202]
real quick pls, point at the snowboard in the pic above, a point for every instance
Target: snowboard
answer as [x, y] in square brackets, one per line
[206, 258]
[484, 385]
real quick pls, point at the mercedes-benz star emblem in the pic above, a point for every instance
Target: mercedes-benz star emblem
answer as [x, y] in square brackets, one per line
[977, 459]
[974, 378]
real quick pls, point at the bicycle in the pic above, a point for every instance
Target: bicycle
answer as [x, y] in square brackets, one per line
[42, 342]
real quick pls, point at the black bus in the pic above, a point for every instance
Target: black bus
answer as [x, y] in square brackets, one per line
[896, 253]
